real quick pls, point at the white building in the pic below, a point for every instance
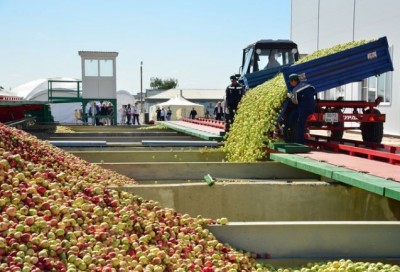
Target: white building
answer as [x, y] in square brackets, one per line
[318, 24]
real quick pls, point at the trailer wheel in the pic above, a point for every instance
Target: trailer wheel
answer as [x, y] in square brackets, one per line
[338, 134]
[372, 132]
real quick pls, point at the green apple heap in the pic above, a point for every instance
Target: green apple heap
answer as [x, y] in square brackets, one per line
[255, 121]
[57, 214]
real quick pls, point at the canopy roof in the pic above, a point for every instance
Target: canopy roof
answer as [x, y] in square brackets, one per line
[178, 101]
[192, 94]
[179, 106]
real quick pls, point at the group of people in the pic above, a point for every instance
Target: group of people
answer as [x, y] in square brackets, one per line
[130, 114]
[163, 115]
[218, 112]
[100, 113]
[226, 109]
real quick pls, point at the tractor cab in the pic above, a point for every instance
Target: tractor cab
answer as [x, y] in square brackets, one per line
[264, 59]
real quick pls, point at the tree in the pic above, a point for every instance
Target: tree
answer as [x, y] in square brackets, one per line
[158, 83]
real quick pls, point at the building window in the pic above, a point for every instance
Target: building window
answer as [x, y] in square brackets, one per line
[95, 68]
[91, 67]
[335, 93]
[381, 85]
[106, 68]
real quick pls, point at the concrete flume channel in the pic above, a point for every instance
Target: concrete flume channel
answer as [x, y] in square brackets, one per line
[293, 215]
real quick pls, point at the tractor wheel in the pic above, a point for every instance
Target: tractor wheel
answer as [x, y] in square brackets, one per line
[372, 132]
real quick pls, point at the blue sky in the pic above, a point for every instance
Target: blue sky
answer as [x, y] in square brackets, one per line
[197, 42]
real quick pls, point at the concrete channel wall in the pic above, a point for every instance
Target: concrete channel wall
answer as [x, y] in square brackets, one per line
[150, 156]
[285, 242]
[159, 171]
[263, 191]
[272, 201]
[293, 215]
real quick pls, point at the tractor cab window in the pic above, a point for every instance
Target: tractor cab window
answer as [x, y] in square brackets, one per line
[265, 56]
[272, 58]
[248, 63]
[269, 58]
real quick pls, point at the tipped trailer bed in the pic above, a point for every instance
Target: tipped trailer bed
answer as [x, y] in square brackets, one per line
[344, 67]
[324, 73]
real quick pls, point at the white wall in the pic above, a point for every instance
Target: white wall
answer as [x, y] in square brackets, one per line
[318, 24]
[376, 19]
[304, 25]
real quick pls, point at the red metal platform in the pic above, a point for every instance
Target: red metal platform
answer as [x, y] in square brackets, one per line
[372, 167]
[372, 158]
[206, 122]
[372, 151]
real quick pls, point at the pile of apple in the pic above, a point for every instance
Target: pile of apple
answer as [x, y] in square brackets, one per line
[258, 112]
[57, 214]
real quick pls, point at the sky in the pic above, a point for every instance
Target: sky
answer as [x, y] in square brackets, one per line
[197, 42]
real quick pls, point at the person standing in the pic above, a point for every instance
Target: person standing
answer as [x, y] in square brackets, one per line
[103, 114]
[169, 114]
[303, 96]
[123, 115]
[128, 113]
[193, 113]
[158, 111]
[207, 114]
[218, 111]
[233, 94]
[135, 114]
[82, 116]
[97, 114]
[223, 105]
[162, 114]
[110, 114]
[77, 116]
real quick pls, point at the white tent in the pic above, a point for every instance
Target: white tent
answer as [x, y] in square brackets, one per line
[179, 106]
[37, 90]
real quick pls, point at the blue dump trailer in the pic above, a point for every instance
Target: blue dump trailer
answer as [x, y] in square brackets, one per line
[325, 73]
[352, 65]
